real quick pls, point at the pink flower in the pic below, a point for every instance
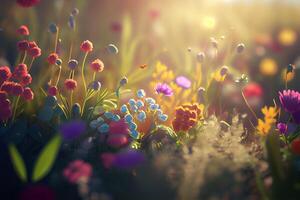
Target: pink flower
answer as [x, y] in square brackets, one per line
[35, 52]
[27, 3]
[77, 170]
[97, 65]
[28, 94]
[117, 140]
[23, 30]
[23, 45]
[52, 90]
[17, 89]
[119, 127]
[86, 46]
[52, 58]
[20, 71]
[70, 84]
[5, 74]
[7, 86]
[26, 80]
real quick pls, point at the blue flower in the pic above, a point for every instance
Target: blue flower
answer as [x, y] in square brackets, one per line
[94, 124]
[141, 116]
[140, 93]
[163, 117]
[116, 118]
[154, 106]
[104, 128]
[128, 118]
[150, 100]
[134, 108]
[139, 103]
[134, 134]
[108, 115]
[124, 109]
[131, 102]
[132, 126]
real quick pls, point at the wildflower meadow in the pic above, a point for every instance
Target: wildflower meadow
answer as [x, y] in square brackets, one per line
[139, 99]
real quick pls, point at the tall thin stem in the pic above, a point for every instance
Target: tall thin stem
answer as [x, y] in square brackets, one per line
[58, 77]
[248, 105]
[82, 72]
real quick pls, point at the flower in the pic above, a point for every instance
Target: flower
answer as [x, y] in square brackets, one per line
[73, 129]
[252, 90]
[163, 88]
[118, 127]
[27, 3]
[52, 58]
[240, 48]
[77, 170]
[7, 86]
[32, 44]
[128, 159]
[200, 57]
[5, 74]
[23, 30]
[72, 64]
[124, 109]
[17, 89]
[70, 84]
[117, 140]
[183, 82]
[23, 45]
[295, 146]
[97, 65]
[86, 46]
[282, 127]
[52, 90]
[35, 52]
[290, 100]
[141, 116]
[20, 71]
[26, 80]
[28, 94]
[53, 28]
[123, 81]
[104, 128]
[95, 85]
[264, 125]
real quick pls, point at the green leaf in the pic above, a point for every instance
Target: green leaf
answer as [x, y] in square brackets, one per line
[46, 158]
[18, 162]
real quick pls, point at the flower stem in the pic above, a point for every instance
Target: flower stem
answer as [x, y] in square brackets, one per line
[82, 72]
[248, 105]
[71, 102]
[56, 40]
[58, 77]
[15, 108]
[94, 76]
[24, 57]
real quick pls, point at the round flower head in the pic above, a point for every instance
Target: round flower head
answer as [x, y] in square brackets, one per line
[32, 44]
[77, 170]
[123, 81]
[118, 127]
[52, 58]
[75, 12]
[104, 128]
[23, 30]
[35, 52]
[253, 90]
[183, 82]
[139, 103]
[111, 48]
[150, 100]
[290, 100]
[70, 84]
[5, 74]
[124, 109]
[132, 102]
[141, 116]
[163, 117]
[141, 93]
[97, 65]
[28, 94]
[7, 86]
[117, 140]
[128, 118]
[240, 48]
[26, 80]
[224, 71]
[17, 89]
[23, 45]
[86, 46]
[73, 64]
[95, 85]
[53, 28]
[163, 88]
[52, 90]
[20, 71]
[27, 3]
[282, 127]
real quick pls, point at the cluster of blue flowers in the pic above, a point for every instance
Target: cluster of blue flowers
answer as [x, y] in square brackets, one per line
[136, 110]
[101, 125]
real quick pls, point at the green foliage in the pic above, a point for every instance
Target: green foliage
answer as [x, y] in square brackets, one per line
[46, 158]
[18, 162]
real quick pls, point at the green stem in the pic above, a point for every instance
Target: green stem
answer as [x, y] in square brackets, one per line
[82, 72]
[56, 40]
[15, 108]
[30, 65]
[24, 57]
[58, 77]
[94, 76]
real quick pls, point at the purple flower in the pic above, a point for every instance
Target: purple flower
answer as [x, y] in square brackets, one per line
[183, 82]
[164, 88]
[128, 159]
[290, 101]
[282, 127]
[72, 129]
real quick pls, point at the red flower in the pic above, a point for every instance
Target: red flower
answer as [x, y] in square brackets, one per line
[27, 3]
[7, 86]
[97, 65]
[17, 89]
[70, 84]
[26, 80]
[253, 90]
[32, 44]
[5, 74]
[22, 45]
[77, 170]
[35, 52]
[52, 90]
[23, 30]
[86, 46]
[117, 140]
[52, 58]
[20, 71]
[28, 94]
[296, 146]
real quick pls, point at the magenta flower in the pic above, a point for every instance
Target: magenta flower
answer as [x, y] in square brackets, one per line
[72, 129]
[163, 88]
[183, 82]
[77, 170]
[290, 101]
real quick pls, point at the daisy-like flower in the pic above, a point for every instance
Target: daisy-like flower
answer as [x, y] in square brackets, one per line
[183, 82]
[163, 88]
[290, 101]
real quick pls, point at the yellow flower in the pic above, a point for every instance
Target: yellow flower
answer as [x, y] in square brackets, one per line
[270, 112]
[264, 125]
[287, 37]
[268, 67]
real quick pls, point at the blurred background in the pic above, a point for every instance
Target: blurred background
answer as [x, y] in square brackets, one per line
[172, 32]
